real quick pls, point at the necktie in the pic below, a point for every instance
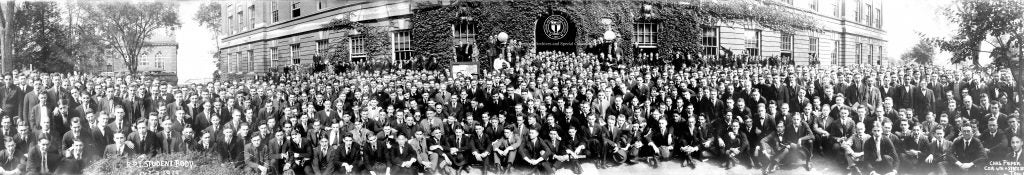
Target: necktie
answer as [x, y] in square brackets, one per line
[878, 148]
[43, 155]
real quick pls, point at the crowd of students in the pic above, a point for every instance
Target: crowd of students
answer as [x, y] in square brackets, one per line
[552, 111]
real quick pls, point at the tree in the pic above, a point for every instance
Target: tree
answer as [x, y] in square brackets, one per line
[126, 26]
[39, 37]
[209, 15]
[999, 23]
[922, 53]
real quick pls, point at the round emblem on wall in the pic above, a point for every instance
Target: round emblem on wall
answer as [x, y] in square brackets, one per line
[555, 27]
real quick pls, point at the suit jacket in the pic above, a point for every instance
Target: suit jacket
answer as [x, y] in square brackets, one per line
[151, 144]
[34, 161]
[968, 152]
[169, 143]
[940, 149]
[229, 151]
[326, 162]
[111, 151]
[532, 149]
[872, 154]
[9, 161]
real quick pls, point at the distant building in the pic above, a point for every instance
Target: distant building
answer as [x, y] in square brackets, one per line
[257, 36]
[160, 56]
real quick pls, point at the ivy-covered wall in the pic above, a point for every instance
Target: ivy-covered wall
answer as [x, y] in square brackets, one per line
[679, 25]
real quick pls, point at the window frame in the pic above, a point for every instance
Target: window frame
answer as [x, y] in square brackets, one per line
[296, 10]
[756, 49]
[710, 40]
[645, 38]
[402, 45]
[357, 43]
[294, 53]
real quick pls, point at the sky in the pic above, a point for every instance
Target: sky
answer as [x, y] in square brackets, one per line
[196, 45]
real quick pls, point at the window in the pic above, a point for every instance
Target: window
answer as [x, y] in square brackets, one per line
[814, 5]
[294, 53]
[709, 40]
[273, 7]
[321, 46]
[871, 16]
[835, 54]
[321, 50]
[645, 35]
[403, 45]
[836, 11]
[879, 15]
[465, 34]
[296, 11]
[231, 19]
[871, 54]
[880, 52]
[787, 45]
[859, 11]
[812, 49]
[252, 16]
[753, 42]
[252, 61]
[243, 61]
[319, 4]
[358, 48]
[241, 21]
[272, 57]
[858, 52]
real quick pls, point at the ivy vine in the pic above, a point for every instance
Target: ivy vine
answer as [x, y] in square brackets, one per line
[679, 24]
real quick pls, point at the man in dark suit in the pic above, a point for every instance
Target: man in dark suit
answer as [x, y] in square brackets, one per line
[256, 156]
[41, 160]
[277, 148]
[968, 152]
[229, 145]
[144, 141]
[481, 147]
[376, 154]
[23, 139]
[403, 157]
[880, 153]
[168, 139]
[76, 134]
[531, 152]
[1016, 150]
[324, 160]
[349, 157]
[300, 151]
[119, 147]
[37, 112]
[939, 151]
[75, 159]
[8, 159]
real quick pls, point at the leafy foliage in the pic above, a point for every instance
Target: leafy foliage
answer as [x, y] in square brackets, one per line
[40, 38]
[378, 40]
[922, 53]
[979, 21]
[680, 24]
[127, 25]
[999, 23]
[209, 15]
